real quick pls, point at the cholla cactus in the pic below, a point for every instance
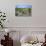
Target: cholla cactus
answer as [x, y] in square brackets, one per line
[2, 19]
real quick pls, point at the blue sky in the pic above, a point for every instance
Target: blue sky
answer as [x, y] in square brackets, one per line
[23, 6]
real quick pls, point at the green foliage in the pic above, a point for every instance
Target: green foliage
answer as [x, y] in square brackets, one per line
[2, 18]
[21, 9]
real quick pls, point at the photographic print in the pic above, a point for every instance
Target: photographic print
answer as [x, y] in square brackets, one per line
[23, 10]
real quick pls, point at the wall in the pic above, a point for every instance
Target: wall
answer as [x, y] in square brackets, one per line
[35, 23]
[13, 20]
[38, 18]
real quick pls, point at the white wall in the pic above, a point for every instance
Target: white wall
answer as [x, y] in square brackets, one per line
[37, 22]
[39, 13]
[38, 18]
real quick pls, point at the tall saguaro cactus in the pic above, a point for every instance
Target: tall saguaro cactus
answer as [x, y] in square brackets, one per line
[2, 19]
